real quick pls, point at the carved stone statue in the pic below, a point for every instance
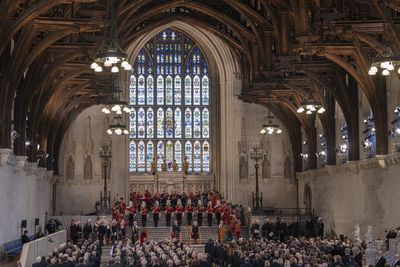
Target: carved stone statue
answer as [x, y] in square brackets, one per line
[242, 147]
[356, 234]
[243, 167]
[154, 166]
[164, 166]
[266, 167]
[288, 168]
[70, 168]
[185, 166]
[87, 171]
[369, 237]
[175, 166]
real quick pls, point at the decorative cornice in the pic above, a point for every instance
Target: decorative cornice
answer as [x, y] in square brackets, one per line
[380, 161]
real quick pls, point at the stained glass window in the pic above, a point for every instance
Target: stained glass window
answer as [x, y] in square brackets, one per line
[188, 123]
[178, 154]
[141, 123]
[170, 103]
[132, 90]
[197, 157]
[141, 91]
[150, 123]
[160, 154]
[132, 123]
[178, 123]
[141, 157]
[149, 155]
[150, 90]
[196, 123]
[169, 123]
[132, 156]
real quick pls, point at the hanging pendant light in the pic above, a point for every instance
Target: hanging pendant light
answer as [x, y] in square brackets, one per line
[118, 128]
[269, 127]
[386, 63]
[110, 55]
[115, 104]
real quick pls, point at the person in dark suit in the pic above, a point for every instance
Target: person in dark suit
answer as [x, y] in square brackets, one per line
[358, 256]
[25, 238]
[87, 229]
[381, 261]
[396, 260]
[246, 263]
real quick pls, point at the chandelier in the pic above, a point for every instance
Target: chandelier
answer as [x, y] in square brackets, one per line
[269, 127]
[110, 54]
[386, 63]
[118, 128]
[115, 104]
[310, 107]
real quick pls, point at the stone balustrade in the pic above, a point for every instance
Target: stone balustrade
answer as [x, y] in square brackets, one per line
[171, 181]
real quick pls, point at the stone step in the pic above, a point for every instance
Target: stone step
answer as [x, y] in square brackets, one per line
[162, 233]
[105, 256]
[199, 248]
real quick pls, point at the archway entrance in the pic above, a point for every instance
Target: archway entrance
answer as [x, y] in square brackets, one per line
[222, 67]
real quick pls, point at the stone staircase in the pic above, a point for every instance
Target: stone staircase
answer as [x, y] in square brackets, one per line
[105, 256]
[162, 220]
[162, 233]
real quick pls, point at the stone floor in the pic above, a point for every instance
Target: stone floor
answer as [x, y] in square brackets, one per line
[105, 255]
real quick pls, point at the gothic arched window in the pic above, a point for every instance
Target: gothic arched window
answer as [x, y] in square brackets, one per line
[170, 102]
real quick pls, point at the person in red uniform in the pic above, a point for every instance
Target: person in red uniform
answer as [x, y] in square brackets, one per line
[147, 198]
[143, 211]
[156, 213]
[210, 213]
[179, 212]
[200, 211]
[122, 206]
[143, 236]
[131, 213]
[189, 212]
[168, 213]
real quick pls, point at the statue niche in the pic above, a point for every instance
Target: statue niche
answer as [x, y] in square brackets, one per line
[87, 169]
[288, 165]
[266, 167]
[70, 168]
[243, 158]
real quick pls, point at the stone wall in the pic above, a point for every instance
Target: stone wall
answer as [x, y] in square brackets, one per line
[277, 185]
[364, 192]
[25, 194]
[80, 183]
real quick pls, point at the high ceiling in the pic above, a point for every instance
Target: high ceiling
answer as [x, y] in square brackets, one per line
[288, 50]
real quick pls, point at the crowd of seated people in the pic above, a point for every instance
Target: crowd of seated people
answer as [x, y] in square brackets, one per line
[84, 253]
[294, 252]
[169, 253]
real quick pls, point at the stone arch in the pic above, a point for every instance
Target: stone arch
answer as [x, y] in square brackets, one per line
[224, 76]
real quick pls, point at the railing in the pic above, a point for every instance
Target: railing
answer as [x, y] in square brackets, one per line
[41, 247]
[283, 212]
